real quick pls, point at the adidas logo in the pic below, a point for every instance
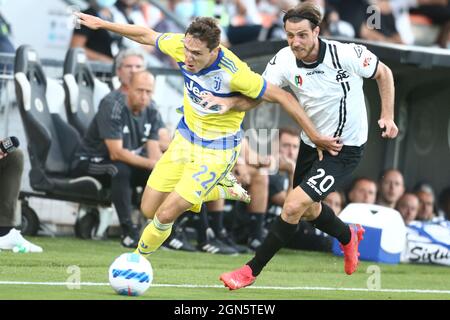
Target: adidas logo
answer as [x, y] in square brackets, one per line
[210, 248]
[176, 244]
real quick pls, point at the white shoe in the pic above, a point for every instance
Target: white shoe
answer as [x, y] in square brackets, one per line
[232, 190]
[15, 239]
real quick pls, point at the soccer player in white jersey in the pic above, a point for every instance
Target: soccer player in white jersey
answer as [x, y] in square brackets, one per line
[206, 142]
[327, 78]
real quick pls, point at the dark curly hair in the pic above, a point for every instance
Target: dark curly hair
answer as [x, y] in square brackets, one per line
[206, 30]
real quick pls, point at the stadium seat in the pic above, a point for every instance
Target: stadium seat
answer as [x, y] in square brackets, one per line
[51, 141]
[79, 85]
[101, 89]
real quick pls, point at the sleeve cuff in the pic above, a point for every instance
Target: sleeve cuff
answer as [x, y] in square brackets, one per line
[376, 68]
[263, 90]
[157, 43]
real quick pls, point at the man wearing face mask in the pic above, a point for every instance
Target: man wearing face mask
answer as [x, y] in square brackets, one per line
[100, 45]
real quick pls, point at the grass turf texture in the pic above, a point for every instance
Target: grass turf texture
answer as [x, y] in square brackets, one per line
[289, 268]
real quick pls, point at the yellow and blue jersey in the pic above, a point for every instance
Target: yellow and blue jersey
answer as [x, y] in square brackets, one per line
[227, 76]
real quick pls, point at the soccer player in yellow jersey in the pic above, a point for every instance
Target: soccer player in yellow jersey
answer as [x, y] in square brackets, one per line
[206, 143]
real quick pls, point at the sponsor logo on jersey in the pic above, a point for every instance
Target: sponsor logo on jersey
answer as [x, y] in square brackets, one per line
[126, 130]
[195, 92]
[194, 88]
[298, 80]
[341, 75]
[315, 72]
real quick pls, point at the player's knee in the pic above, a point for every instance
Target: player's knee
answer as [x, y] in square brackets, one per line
[312, 212]
[165, 215]
[293, 211]
[147, 211]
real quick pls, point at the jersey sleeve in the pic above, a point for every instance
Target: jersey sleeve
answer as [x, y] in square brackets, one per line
[248, 82]
[109, 119]
[172, 45]
[359, 60]
[274, 72]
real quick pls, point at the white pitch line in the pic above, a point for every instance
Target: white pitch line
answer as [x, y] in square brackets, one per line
[221, 286]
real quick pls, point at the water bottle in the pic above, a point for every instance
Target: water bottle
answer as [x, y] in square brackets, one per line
[21, 249]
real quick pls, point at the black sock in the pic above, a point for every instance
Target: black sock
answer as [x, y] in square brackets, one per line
[328, 222]
[280, 233]
[5, 230]
[202, 226]
[216, 221]
[256, 225]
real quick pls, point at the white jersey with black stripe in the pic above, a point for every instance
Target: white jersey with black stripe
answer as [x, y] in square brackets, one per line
[331, 89]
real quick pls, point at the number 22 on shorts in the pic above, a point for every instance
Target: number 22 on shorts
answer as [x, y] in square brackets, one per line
[203, 170]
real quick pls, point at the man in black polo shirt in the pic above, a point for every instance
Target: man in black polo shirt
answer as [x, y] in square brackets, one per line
[124, 133]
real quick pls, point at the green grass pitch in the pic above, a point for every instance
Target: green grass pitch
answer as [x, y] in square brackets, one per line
[291, 275]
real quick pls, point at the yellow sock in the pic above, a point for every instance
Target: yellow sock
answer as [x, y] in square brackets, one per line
[215, 194]
[153, 236]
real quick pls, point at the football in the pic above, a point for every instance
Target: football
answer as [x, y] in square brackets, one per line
[130, 274]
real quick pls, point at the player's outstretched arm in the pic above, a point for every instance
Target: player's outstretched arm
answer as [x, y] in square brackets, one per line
[136, 33]
[296, 111]
[288, 102]
[237, 103]
[385, 81]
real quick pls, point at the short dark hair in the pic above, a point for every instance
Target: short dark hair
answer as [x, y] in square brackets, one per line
[386, 171]
[288, 130]
[359, 179]
[305, 10]
[206, 30]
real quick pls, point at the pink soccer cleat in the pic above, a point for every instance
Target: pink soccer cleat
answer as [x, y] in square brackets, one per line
[238, 278]
[351, 254]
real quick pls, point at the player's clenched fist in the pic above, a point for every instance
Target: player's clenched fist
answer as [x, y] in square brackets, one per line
[388, 127]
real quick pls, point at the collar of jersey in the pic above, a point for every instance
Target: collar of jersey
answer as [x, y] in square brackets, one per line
[212, 67]
[322, 50]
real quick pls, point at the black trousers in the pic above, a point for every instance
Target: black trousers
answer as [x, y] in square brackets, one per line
[122, 179]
